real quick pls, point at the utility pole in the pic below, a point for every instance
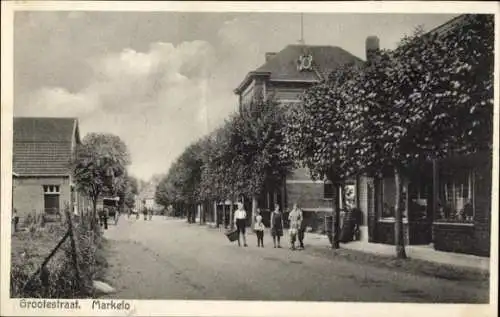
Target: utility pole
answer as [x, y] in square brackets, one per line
[301, 41]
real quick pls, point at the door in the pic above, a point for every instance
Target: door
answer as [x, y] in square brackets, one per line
[51, 203]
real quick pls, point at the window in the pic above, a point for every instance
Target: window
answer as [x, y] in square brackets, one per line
[328, 190]
[388, 199]
[51, 198]
[418, 193]
[456, 196]
[350, 196]
[51, 189]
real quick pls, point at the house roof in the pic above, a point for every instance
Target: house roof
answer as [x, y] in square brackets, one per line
[449, 26]
[283, 65]
[43, 146]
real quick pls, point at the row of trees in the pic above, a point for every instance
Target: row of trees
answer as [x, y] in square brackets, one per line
[237, 160]
[100, 169]
[431, 97]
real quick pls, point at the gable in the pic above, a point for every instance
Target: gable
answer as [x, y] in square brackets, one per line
[43, 146]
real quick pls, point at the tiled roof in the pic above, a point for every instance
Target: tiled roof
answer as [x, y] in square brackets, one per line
[450, 25]
[283, 66]
[42, 146]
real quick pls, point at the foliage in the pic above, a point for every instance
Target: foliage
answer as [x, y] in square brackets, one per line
[237, 159]
[99, 166]
[258, 140]
[318, 129]
[429, 98]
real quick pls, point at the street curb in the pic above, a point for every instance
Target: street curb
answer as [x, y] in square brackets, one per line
[345, 246]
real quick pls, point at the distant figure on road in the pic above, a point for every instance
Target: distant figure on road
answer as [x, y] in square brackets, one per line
[105, 216]
[145, 212]
[294, 218]
[150, 215]
[240, 216]
[15, 219]
[259, 229]
[302, 231]
[277, 225]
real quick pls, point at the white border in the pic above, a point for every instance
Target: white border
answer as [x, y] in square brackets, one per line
[231, 308]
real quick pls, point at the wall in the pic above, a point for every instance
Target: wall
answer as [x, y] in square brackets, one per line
[472, 238]
[285, 90]
[309, 195]
[28, 196]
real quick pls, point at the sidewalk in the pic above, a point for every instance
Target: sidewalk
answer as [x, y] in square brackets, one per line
[421, 252]
[425, 253]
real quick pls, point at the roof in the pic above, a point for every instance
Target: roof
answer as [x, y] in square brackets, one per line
[42, 146]
[283, 66]
[448, 26]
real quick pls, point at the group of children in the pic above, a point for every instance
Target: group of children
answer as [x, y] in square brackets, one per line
[296, 230]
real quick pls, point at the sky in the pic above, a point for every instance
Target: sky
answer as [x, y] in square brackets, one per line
[161, 80]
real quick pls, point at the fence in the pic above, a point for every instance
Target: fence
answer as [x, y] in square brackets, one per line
[75, 271]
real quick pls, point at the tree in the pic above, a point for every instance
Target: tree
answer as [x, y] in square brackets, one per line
[257, 138]
[128, 192]
[418, 102]
[317, 134]
[100, 165]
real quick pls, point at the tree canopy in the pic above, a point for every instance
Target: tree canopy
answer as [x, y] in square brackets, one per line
[100, 165]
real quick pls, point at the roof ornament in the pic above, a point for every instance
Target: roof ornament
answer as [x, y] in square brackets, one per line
[305, 61]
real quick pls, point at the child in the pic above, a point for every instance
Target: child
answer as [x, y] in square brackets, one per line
[277, 225]
[295, 219]
[259, 230]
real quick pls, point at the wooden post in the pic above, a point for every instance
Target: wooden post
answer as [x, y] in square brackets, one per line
[398, 225]
[74, 253]
[216, 218]
[47, 259]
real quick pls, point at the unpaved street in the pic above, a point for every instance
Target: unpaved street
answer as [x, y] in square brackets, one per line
[170, 259]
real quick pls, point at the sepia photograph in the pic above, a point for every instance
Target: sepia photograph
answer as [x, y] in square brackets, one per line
[249, 156]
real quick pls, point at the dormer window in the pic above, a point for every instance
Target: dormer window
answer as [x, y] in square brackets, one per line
[305, 62]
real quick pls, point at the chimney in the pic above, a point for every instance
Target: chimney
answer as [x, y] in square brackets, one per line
[372, 45]
[269, 55]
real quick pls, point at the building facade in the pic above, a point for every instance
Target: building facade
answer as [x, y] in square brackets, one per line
[446, 203]
[42, 152]
[283, 77]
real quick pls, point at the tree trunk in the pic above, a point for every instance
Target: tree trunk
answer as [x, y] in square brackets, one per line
[94, 212]
[398, 225]
[216, 219]
[254, 210]
[336, 217]
[231, 220]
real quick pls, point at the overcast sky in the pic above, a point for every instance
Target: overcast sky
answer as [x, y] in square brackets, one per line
[160, 80]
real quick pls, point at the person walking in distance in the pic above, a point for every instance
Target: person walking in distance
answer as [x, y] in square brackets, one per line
[240, 216]
[277, 226]
[302, 230]
[294, 218]
[15, 219]
[259, 229]
[105, 218]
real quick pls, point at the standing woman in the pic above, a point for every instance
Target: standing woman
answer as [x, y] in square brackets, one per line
[240, 216]
[277, 225]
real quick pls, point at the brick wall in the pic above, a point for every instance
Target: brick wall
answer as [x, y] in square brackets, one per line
[454, 237]
[384, 233]
[470, 238]
[28, 195]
